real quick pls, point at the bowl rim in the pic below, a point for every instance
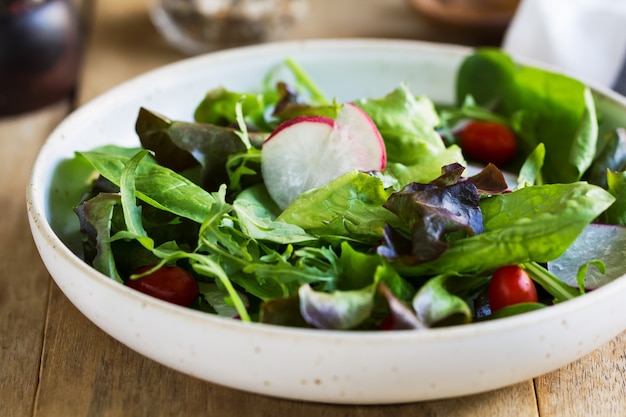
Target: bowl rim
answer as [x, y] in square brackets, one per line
[37, 214]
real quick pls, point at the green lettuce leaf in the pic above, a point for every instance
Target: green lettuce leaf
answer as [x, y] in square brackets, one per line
[407, 124]
[350, 207]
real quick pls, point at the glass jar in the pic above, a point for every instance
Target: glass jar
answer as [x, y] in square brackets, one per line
[40, 47]
[198, 26]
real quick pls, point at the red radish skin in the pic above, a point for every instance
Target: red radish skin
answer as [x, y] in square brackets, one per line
[361, 124]
[299, 119]
[310, 151]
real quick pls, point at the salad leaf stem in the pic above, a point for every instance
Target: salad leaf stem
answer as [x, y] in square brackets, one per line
[207, 266]
[550, 282]
[241, 122]
[303, 79]
[132, 212]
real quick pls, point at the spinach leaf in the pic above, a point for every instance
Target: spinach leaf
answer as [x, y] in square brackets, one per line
[530, 224]
[516, 309]
[612, 157]
[157, 186]
[616, 214]
[544, 107]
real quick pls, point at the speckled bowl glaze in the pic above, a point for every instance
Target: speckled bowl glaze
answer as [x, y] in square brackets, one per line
[313, 365]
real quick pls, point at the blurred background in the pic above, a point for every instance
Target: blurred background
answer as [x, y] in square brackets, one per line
[48, 47]
[53, 49]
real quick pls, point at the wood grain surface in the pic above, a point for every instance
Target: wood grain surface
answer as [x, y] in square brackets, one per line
[54, 362]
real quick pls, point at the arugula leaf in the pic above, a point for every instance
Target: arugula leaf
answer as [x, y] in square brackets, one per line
[257, 212]
[550, 282]
[97, 214]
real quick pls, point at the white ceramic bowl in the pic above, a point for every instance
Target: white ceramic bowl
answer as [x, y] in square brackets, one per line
[315, 365]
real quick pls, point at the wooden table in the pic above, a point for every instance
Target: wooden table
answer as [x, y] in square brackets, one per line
[54, 362]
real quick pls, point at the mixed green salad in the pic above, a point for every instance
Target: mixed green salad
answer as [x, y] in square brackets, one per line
[419, 244]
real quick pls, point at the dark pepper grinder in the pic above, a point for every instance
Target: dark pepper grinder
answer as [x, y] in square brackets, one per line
[40, 51]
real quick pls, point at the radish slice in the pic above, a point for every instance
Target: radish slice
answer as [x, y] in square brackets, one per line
[310, 151]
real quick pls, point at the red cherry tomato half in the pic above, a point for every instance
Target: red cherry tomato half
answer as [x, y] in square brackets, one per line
[510, 285]
[168, 283]
[488, 142]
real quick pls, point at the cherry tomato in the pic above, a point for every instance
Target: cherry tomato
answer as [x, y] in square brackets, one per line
[168, 283]
[489, 142]
[510, 285]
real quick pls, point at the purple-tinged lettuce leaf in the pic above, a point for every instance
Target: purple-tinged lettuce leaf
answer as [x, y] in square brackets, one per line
[284, 311]
[529, 224]
[337, 310]
[402, 317]
[489, 181]
[183, 145]
[432, 213]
